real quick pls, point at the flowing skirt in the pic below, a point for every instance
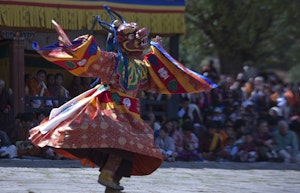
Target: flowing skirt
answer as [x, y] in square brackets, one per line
[100, 120]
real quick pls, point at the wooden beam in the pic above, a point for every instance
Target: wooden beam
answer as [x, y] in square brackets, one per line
[17, 73]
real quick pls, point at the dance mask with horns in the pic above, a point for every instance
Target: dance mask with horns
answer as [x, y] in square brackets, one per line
[131, 39]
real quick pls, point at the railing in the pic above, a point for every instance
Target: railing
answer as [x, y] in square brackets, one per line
[36, 104]
[160, 108]
[167, 108]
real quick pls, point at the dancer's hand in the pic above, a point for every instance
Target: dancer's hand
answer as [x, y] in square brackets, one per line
[158, 40]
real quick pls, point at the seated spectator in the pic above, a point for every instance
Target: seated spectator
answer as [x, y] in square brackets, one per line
[236, 114]
[177, 136]
[230, 150]
[169, 125]
[25, 147]
[13, 130]
[295, 125]
[154, 124]
[273, 117]
[250, 116]
[239, 128]
[210, 144]
[247, 151]
[218, 115]
[191, 110]
[190, 143]
[286, 143]
[166, 144]
[264, 141]
[7, 149]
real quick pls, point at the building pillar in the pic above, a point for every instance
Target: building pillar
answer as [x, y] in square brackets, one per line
[17, 73]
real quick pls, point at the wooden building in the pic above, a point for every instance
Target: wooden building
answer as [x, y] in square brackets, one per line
[23, 22]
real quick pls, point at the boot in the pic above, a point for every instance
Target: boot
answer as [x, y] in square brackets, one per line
[106, 179]
[107, 175]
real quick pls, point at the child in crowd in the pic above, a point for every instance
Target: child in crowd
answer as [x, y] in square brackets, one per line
[190, 143]
[166, 144]
[231, 149]
[248, 151]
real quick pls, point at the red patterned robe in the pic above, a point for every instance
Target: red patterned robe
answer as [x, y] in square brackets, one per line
[107, 117]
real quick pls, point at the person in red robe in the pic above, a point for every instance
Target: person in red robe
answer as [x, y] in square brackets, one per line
[102, 126]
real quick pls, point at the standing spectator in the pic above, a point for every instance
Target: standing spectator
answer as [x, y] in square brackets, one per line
[166, 144]
[86, 83]
[286, 142]
[210, 71]
[76, 88]
[37, 87]
[26, 80]
[258, 96]
[290, 94]
[59, 90]
[279, 99]
[237, 93]
[51, 83]
[248, 88]
[190, 110]
[5, 106]
[273, 117]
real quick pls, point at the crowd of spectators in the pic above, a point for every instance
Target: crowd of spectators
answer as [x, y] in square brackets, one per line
[46, 90]
[247, 118]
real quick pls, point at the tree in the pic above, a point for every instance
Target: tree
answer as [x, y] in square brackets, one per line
[237, 31]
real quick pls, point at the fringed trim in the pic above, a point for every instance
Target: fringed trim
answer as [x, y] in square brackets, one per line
[75, 19]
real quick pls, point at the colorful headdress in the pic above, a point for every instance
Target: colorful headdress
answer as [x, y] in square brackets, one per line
[112, 42]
